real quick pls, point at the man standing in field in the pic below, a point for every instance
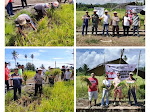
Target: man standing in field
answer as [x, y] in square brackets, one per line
[106, 19]
[63, 72]
[21, 21]
[40, 9]
[86, 19]
[67, 75]
[9, 8]
[7, 71]
[129, 82]
[20, 70]
[135, 23]
[95, 21]
[17, 79]
[93, 89]
[126, 24]
[117, 89]
[38, 78]
[115, 24]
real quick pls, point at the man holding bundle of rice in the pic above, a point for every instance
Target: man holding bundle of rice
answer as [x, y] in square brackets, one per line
[130, 82]
[117, 88]
[93, 89]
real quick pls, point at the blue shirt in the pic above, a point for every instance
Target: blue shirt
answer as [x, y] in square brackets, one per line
[86, 20]
[16, 80]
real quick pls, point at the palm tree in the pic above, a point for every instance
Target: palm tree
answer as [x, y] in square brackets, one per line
[32, 56]
[15, 56]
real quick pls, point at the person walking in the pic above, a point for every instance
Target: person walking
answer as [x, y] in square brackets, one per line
[17, 79]
[67, 75]
[106, 89]
[117, 89]
[24, 3]
[93, 89]
[126, 24]
[7, 71]
[115, 24]
[63, 70]
[135, 23]
[21, 20]
[131, 89]
[106, 19]
[86, 19]
[95, 21]
[9, 8]
[40, 8]
[38, 78]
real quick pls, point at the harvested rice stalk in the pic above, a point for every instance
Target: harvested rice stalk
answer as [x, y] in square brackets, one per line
[84, 79]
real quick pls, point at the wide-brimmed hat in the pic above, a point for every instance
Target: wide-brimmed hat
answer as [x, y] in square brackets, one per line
[87, 12]
[6, 63]
[115, 12]
[16, 68]
[39, 69]
[106, 10]
[94, 10]
[47, 5]
[131, 73]
[21, 20]
[134, 12]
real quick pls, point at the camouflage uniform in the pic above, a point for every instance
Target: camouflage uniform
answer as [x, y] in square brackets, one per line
[95, 20]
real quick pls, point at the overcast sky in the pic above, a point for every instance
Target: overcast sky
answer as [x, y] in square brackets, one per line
[94, 57]
[105, 1]
[41, 56]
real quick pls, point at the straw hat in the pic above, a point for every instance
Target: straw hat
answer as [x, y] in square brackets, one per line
[39, 69]
[16, 68]
[115, 12]
[86, 11]
[106, 10]
[47, 5]
[21, 20]
[94, 10]
[131, 73]
[134, 11]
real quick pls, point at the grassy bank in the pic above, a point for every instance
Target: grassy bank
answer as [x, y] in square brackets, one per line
[59, 98]
[82, 89]
[56, 29]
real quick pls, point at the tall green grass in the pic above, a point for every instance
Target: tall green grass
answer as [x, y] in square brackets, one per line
[55, 29]
[82, 89]
[59, 98]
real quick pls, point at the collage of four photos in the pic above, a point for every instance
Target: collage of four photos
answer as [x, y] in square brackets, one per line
[74, 55]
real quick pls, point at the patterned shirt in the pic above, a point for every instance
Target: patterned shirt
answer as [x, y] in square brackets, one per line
[16, 80]
[135, 20]
[95, 18]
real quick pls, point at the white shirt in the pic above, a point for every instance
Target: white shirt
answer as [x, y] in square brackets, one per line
[67, 75]
[116, 81]
[107, 83]
[126, 21]
[106, 19]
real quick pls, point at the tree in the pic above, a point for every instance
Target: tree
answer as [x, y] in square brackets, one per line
[15, 56]
[26, 57]
[125, 58]
[32, 56]
[30, 66]
[85, 69]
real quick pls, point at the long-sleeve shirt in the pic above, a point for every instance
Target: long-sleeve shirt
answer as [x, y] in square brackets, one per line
[40, 6]
[7, 73]
[38, 78]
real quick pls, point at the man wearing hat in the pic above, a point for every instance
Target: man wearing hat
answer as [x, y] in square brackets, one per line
[17, 80]
[117, 89]
[40, 9]
[95, 21]
[67, 75]
[130, 81]
[38, 78]
[86, 19]
[135, 23]
[106, 19]
[22, 20]
[115, 24]
[7, 71]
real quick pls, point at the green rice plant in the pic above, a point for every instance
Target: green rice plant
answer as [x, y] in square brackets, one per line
[84, 79]
[8, 97]
[56, 72]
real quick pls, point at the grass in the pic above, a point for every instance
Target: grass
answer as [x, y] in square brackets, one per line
[59, 98]
[121, 13]
[82, 89]
[55, 29]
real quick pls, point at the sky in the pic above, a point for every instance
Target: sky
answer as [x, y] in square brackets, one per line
[105, 1]
[94, 57]
[41, 56]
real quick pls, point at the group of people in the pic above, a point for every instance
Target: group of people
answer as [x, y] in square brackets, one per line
[16, 78]
[93, 89]
[128, 20]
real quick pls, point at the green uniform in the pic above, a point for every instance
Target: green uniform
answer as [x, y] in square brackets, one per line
[95, 20]
[20, 72]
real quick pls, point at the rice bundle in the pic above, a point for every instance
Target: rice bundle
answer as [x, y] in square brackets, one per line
[122, 83]
[131, 84]
[84, 79]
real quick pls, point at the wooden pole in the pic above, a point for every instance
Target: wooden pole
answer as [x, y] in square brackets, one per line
[138, 64]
